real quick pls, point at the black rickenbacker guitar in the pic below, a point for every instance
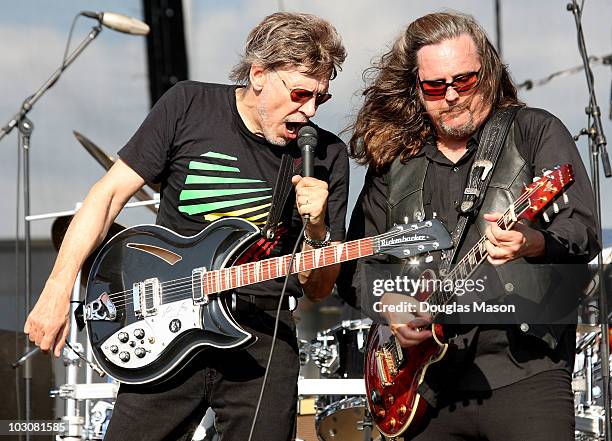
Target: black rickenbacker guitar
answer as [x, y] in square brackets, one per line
[155, 298]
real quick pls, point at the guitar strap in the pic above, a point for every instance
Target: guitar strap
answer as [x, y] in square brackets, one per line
[489, 148]
[282, 188]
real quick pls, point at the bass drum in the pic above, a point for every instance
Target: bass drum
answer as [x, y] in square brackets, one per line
[343, 421]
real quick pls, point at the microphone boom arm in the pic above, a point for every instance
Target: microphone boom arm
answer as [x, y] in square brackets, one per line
[29, 102]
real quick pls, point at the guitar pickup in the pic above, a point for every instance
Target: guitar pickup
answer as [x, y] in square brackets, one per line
[147, 297]
[197, 287]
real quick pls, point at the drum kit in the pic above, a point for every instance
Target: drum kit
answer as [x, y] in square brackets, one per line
[338, 353]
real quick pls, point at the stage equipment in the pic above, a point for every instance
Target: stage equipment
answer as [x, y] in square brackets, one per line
[597, 150]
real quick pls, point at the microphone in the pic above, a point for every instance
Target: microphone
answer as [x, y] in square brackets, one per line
[119, 22]
[307, 142]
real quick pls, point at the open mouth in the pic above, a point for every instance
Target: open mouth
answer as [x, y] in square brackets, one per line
[293, 127]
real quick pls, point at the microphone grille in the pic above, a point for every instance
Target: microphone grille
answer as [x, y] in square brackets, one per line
[307, 135]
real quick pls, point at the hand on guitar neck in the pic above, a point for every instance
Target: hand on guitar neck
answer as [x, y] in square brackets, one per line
[409, 328]
[506, 245]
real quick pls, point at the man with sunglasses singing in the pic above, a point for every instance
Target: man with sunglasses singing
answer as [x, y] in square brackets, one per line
[430, 110]
[217, 150]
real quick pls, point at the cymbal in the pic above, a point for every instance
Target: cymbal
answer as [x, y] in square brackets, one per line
[99, 155]
[58, 231]
[107, 161]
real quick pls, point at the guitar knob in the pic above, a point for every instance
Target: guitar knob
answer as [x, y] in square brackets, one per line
[390, 399]
[380, 413]
[114, 349]
[376, 397]
[124, 356]
[123, 337]
[401, 411]
[139, 333]
[140, 352]
[392, 423]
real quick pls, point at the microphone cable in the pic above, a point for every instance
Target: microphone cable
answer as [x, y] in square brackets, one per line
[276, 321]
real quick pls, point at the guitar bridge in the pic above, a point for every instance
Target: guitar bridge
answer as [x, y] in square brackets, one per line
[386, 367]
[147, 297]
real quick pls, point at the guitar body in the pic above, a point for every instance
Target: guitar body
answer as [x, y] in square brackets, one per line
[394, 403]
[141, 318]
[155, 298]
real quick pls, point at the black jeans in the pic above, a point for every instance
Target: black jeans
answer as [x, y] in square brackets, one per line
[227, 381]
[538, 408]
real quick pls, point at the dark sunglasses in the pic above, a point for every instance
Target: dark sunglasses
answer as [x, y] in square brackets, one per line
[461, 83]
[299, 95]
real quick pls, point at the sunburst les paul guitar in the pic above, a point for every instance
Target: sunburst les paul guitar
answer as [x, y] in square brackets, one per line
[155, 298]
[393, 373]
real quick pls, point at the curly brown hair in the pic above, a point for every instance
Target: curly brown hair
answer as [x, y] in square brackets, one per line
[392, 120]
[285, 38]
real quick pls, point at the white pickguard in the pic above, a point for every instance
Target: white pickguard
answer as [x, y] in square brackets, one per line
[171, 320]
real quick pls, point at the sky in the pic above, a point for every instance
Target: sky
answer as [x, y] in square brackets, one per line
[104, 94]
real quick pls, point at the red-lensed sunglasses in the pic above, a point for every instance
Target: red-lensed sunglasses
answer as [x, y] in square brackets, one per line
[299, 95]
[461, 83]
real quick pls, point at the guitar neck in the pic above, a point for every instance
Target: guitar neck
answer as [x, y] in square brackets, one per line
[255, 272]
[472, 260]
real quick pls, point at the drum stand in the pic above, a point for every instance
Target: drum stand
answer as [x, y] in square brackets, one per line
[366, 425]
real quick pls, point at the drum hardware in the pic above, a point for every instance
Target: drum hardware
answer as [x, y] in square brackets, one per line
[83, 391]
[99, 416]
[304, 351]
[338, 351]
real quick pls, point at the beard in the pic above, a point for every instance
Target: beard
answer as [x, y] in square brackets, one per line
[266, 127]
[468, 128]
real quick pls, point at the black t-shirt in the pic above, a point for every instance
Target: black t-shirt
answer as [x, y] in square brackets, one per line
[211, 166]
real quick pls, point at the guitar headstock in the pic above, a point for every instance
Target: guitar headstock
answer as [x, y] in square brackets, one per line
[543, 190]
[407, 240]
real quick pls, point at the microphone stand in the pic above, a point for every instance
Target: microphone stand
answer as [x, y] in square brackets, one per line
[25, 128]
[597, 149]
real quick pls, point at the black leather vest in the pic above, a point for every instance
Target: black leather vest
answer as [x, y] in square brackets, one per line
[532, 286]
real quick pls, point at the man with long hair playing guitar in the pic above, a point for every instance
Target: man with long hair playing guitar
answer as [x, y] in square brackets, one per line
[424, 120]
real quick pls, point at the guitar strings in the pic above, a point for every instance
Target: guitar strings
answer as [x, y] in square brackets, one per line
[177, 287]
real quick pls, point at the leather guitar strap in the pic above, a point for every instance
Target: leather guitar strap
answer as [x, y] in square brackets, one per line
[490, 146]
[282, 188]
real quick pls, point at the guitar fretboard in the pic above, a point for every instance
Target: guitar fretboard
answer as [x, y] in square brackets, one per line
[254, 272]
[477, 254]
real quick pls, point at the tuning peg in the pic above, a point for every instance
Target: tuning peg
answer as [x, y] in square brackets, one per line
[545, 217]
[555, 207]
[565, 198]
[434, 215]
[428, 258]
[405, 219]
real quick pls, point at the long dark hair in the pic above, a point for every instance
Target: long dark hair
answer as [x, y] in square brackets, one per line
[392, 120]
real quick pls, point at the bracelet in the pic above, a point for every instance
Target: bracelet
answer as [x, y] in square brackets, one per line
[318, 243]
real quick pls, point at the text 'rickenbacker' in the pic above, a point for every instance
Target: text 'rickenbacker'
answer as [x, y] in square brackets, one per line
[393, 373]
[154, 298]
